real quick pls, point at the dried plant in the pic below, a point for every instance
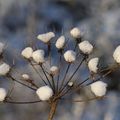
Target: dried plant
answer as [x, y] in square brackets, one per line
[58, 80]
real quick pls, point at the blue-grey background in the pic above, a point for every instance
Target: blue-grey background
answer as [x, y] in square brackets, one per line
[22, 20]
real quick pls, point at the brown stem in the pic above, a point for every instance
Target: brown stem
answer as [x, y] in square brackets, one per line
[52, 110]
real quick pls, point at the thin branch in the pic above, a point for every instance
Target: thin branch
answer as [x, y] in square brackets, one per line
[46, 76]
[82, 100]
[59, 71]
[73, 74]
[21, 102]
[69, 64]
[12, 78]
[37, 72]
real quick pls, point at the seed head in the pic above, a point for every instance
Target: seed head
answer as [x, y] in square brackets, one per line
[4, 69]
[70, 56]
[86, 47]
[44, 93]
[38, 56]
[60, 42]
[99, 88]
[27, 52]
[46, 37]
[116, 54]
[2, 94]
[93, 64]
[75, 33]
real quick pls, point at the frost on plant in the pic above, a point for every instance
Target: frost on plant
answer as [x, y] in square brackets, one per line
[57, 78]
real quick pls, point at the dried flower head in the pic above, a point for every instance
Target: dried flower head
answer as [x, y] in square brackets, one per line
[60, 82]
[75, 32]
[116, 54]
[93, 65]
[70, 84]
[44, 93]
[70, 56]
[46, 37]
[25, 76]
[38, 56]
[99, 88]
[4, 69]
[54, 70]
[60, 42]
[2, 94]
[86, 47]
[27, 52]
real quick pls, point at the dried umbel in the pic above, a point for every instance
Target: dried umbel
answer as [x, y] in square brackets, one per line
[70, 56]
[86, 47]
[93, 65]
[3, 94]
[116, 54]
[75, 33]
[60, 42]
[46, 37]
[25, 77]
[4, 69]
[54, 70]
[99, 88]
[60, 77]
[44, 93]
[27, 52]
[38, 56]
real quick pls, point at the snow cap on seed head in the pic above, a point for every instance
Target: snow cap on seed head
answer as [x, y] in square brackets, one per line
[86, 47]
[99, 88]
[75, 33]
[54, 70]
[2, 94]
[70, 84]
[44, 93]
[38, 56]
[4, 69]
[27, 52]
[116, 54]
[46, 37]
[70, 56]
[25, 76]
[1, 47]
[93, 64]
[60, 42]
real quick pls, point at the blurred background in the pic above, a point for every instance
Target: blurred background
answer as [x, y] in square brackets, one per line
[22, 20]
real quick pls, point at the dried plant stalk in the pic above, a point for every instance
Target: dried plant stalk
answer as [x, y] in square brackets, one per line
[53, 107]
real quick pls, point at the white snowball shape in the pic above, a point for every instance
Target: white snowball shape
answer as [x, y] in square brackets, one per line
[75, 33]
[70, 56]
[27, 52]
[60, 42]
[2, 94]
[116, 54]
[1, 47]
[44, 93]
[46, 37]
[54, 70]
[4, 69]
[99, 88]
[70, 84]
[25, 76]
[38, 56]
[93, 64]
[86, 47]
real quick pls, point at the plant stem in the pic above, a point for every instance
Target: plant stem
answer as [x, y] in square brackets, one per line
[52, 109]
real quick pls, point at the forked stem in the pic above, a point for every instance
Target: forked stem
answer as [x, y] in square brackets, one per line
[53, 107]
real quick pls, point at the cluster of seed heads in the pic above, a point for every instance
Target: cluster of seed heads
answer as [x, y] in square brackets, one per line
[55, 89]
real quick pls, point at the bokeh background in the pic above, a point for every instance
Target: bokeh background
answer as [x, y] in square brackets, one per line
[22, 20]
